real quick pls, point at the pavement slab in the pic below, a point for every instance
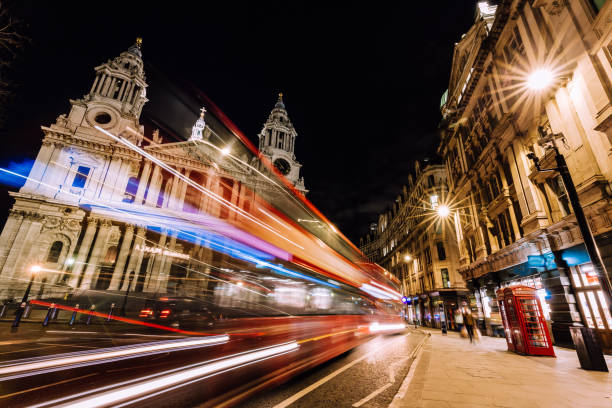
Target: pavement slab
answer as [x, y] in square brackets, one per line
[451, 372]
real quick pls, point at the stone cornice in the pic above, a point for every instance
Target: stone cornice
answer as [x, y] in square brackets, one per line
[92, 146]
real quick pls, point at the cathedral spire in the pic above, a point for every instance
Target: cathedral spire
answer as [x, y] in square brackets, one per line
[279, 103]
[277, 143]
[198, 128]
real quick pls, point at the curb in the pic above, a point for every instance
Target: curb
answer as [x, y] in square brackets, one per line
[415, 355]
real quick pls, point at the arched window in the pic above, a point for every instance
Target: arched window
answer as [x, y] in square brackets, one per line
[55, 251]
[111, 255]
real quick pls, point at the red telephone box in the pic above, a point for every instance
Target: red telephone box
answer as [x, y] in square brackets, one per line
[524, 323]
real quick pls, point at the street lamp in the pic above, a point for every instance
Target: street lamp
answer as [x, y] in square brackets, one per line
[225, 150]
[540, 79]
[34, 269]
[407, 258]
[443, 211]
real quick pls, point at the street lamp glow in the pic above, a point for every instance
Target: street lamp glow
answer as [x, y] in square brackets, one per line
[407, 258]
[443, 211]
[225, 150]
[35, 268]
[540, 79]
[69, 261]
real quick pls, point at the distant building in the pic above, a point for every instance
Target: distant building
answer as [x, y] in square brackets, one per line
[419, 247]
[83, 213]
[520, 67]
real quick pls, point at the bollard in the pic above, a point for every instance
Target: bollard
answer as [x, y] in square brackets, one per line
[49, 314]
[28, 309]
[110, 312]
[55, 313]
[92, 308]
[3, 310]
[19, 314]
[74, 315]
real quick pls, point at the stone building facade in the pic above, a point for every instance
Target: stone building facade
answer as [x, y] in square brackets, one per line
[96, 215]
[515, 224]
[418, 246]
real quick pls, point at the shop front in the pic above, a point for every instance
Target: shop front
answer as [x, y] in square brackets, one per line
[565, 284]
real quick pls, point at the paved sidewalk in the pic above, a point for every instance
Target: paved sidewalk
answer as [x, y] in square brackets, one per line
[451, 372]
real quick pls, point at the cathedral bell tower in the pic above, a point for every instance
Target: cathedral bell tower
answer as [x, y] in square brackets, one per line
[277, 143]
[116, 97]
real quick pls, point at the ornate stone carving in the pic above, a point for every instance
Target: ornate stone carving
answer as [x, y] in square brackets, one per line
[60, 223]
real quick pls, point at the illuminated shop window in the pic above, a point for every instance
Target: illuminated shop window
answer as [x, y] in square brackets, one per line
[590, 297]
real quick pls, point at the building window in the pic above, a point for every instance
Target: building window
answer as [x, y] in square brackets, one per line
[81, 177]
[55, 251]
[445, 278]
[434, 201]
[427, 256]
[130, 190]
[441, 251]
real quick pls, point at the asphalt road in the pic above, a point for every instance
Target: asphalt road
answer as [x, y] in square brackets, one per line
[369, 376]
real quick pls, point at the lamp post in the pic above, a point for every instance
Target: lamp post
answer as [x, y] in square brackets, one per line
[589, 353]
[34, 269]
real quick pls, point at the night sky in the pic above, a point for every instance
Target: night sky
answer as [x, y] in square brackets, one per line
[362, 83]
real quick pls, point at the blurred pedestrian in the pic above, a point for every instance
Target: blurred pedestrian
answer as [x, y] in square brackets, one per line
[468, 322]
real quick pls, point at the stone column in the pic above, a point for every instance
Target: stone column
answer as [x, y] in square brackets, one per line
[173, 199]
[182, 191]
[53, 175]
[534, 215]
[135, 257]
[127, 92]
[122, 180]
[142, 183]
[7, 239]
[96, 254]
[164, 269]
[155, 264]
[122, 257]
[111, 88]
[29, 227]
[120, 94]
[154, 187]
[112, 173]
[79, 263]
[235, 198]
[93, 87]
[39, 167]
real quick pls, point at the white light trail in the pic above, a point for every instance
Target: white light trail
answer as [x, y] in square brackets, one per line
[377, 327]
[386, 289]
[379, 293]
[109, 354]
[207, 192]
[166, 381]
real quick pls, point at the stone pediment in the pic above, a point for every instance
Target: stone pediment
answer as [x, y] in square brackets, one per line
[194, 153]
[464, 55]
